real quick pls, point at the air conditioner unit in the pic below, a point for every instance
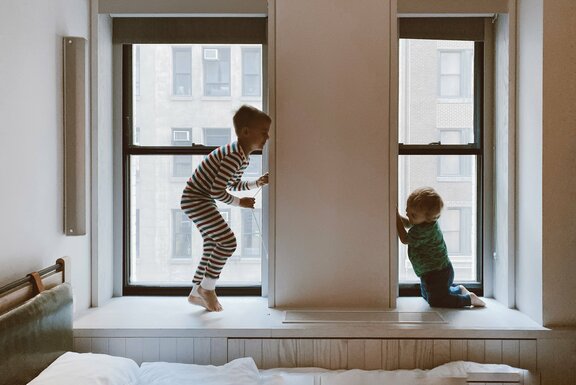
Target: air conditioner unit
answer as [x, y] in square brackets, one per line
[210, 54]
[181, 136]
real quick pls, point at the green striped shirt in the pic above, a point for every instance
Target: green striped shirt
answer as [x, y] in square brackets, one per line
[426, 248]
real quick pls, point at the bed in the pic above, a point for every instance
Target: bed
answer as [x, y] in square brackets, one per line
[36, 319]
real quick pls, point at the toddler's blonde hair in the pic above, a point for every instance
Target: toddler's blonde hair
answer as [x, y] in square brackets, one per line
[428, 201]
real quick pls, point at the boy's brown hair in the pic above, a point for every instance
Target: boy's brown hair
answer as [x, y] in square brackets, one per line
[428, 201]
[246, 116]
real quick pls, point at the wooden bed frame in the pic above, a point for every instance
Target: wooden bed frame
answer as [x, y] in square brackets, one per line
[36, 317]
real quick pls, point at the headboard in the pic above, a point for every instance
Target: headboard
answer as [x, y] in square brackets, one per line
[35, 333]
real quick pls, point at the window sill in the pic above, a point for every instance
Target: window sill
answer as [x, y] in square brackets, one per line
[250, 317]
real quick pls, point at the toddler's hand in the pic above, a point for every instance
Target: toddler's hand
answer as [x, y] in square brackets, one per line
[247, 203]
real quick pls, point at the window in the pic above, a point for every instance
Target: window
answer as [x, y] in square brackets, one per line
[181, 71]
[440, 131]
[455, 73]
[182, 164]
[137, 71]
[251, 71]
[181, 235]
[217, 136]
[164, 139]
[216, 64]
[452, 167]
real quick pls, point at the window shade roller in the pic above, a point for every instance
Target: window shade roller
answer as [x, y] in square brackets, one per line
[189, 30]
[442, 28]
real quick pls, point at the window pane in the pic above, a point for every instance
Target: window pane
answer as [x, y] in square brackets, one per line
[459, 216]
[216, 71]
[171, 82]
[169, 244]
[251, 71]
[435, 89]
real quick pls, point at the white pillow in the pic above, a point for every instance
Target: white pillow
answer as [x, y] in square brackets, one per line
[88, 369]
[242, 371]
[396, 377]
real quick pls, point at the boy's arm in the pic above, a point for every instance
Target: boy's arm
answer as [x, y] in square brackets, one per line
[402, 234]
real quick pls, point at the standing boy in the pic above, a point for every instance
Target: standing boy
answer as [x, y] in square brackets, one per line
[428, 253]
[221, 171]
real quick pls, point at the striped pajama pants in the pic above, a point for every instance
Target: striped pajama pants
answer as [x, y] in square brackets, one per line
[219, 240]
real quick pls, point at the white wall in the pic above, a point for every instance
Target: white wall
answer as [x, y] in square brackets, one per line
[559, 163]
[529, 160]
[31, 159]
[332, 153]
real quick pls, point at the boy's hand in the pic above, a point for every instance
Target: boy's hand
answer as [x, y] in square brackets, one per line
[247, 202]
[263, 180]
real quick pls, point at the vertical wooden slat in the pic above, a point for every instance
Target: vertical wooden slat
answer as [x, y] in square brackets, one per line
[511, 352]
[458, 350]
[270, 357]
[82, 344]
[167, 349]
[356, 350]
[528, 354]
[441, 352]
[150, 349]
[253, 348]
[322, 353]
[493, 351]
[390, 354]
[407, 354]
[117, 347]
[373, 354]
[185, 350]
[218, 351]
[99, 345]
[287, 353]
[134, 349]
[424, 354]
[235, 348]
[338, 354]
[202, 351]
[476, 351]
[305, 353]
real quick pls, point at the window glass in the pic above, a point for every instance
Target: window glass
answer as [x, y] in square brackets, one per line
[169, 243]
[460, 230]
[174, 127]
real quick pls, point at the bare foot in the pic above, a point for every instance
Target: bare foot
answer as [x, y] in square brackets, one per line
[196, 301]
[476, 301]
[210, 299]
[463, 290]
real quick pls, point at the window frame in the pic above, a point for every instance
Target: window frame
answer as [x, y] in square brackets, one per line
[430, 30]
[129, 148]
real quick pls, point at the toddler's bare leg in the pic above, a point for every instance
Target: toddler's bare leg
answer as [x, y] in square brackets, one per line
[210, 299]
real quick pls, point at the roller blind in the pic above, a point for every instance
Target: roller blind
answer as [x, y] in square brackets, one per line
[190, 30]
[442, 28]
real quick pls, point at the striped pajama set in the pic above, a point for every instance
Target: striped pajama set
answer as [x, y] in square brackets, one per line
[220, 171]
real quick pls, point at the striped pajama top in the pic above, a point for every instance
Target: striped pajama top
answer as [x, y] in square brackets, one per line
[220, 171]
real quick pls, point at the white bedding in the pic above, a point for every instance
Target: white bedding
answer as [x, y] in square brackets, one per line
[101, 369]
